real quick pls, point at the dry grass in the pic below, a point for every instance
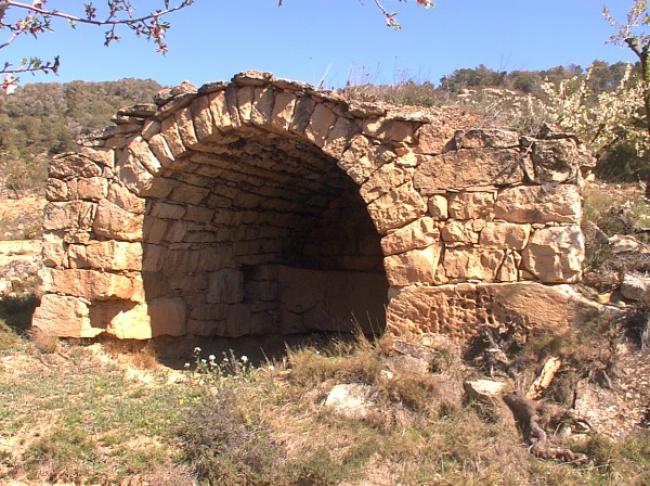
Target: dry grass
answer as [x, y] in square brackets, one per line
[83, 414]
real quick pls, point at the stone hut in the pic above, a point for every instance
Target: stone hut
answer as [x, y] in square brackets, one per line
[264, 205]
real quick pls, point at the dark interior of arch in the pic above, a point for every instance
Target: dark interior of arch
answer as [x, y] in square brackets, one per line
[263, 234]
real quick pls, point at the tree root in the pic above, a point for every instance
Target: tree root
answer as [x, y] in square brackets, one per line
[527, 416]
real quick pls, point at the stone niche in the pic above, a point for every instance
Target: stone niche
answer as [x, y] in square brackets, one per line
[267, 206]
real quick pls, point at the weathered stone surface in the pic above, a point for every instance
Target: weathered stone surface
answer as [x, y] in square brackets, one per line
[283, 107]
[397, 208]
[555, 160]
[389, 130]
[484, 389]
[136, 166]
[125, 199]
[472, 263]
[505, 235]
[65, 166]
[539, 204]
[87, 284]
[636, 287]
[185, 126]
[226, 287]
[555, 255]
[202, 118]
[73, 215]
[56, 190]
[413, 266]
[53, 251]
[486, 138]
[418, 234]
[462, 231]
[92, 189]
[438, 207]
[509, 270]
[472, 205]
[322, 120]
[113, 222]
[169, 132]
[383, 180]
[64, 316]
[106, 255]
[462, 310]
[468, 168]
[352, 401]
[433, 138]
[158, 317]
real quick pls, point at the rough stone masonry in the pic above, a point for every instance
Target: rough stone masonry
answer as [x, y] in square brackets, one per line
[267, 206]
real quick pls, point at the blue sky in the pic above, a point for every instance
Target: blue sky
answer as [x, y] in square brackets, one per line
[339, 40]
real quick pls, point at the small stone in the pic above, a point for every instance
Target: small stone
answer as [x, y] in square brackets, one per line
[484, 389]
[636, 287]
[438, 207]
[352, 401]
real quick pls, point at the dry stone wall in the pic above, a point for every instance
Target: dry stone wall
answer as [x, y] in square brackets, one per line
[266, 206]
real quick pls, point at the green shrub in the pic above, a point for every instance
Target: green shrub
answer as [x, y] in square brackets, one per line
[224, 447]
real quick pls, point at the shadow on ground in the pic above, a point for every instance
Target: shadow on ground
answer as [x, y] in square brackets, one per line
[16, 312]
[259, 350]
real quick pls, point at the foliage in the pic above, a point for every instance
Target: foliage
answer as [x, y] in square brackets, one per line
[40, 120]
[39, 19]
[602, 120]
[224, 447]
[635, 34]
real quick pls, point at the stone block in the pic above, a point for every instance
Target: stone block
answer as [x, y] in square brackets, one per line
[462, 310]
[539, 204]
[66, 166]
[56, 190]
[384, 180]
[397, 208]
[92, 189]
[88, 284]
[468, 168]
[472, 263]
[555, 254]
[438, 207]
[282, 115]
[113, 222]
[418, 234]
[64, 316]
[125, 199]
[505, 235]
[106, 255]
[472, 205]
[415, 266]
[555, 160]
[486, 138]
[432, 138]
[73, 215]
[226, 287]
[461, 231]
[322, 120]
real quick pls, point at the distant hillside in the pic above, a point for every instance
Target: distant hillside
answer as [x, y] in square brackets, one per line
[40, 120]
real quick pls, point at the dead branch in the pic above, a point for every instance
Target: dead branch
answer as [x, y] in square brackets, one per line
[543, 381]
[526, 413]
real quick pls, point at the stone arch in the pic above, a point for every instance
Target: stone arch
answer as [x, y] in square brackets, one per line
[190, 216]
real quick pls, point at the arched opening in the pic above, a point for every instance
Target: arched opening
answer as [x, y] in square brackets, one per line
[260, 233]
